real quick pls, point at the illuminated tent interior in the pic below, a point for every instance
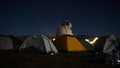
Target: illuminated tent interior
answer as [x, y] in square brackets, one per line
[68, 43]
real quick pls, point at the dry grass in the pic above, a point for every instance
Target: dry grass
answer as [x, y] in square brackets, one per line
[60, 60]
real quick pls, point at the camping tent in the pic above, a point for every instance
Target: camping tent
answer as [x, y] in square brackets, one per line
[65, 28]
[112, 49]
[82, 38]
[6, 43]
[68, 43]
[9, 42]
[38, 43]
[110, 44]
[99, 45]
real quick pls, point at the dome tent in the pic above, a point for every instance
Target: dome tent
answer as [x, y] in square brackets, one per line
[8, 42]
[68, 43]
[65, 28]
[38, 43]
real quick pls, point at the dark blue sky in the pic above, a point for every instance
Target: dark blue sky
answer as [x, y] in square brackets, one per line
[89, 17]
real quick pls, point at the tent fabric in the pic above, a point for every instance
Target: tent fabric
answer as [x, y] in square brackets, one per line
[88, 46]
[6, 43]
[110, 45]
[51, 46]
[38, 42]
[112, 49]
[9, 42]
[65, 29]
[68, 43]
[99, 45]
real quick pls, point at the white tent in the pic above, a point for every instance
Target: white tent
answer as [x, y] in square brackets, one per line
[40, 43]
[109, 44]
[6, 43]
[65, 28]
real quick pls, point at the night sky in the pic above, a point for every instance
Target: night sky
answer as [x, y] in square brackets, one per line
[88, 17]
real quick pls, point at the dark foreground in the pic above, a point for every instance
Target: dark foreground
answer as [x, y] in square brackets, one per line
[60, 60]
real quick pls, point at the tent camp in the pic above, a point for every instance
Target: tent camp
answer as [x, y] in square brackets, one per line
[9, 42]
[38, 43]
[68, 43]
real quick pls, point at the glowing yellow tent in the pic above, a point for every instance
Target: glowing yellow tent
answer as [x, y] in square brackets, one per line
[68, 43]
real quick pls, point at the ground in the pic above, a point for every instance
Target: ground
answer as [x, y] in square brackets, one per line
[61, 60]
